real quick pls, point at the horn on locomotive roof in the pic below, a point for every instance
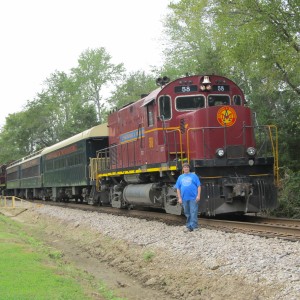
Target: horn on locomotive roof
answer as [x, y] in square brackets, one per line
[166, 79]
[159, 81]
[162, 81]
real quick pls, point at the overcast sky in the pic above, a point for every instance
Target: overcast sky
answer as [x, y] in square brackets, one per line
[39, 37]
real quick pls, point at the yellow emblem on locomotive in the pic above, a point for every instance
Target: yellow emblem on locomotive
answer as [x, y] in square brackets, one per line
[226, 116]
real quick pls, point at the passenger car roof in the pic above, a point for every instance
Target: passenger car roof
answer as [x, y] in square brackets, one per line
[94, 132]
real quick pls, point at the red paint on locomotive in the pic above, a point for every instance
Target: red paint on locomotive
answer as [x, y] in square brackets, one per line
[191, 129]
[201, 119]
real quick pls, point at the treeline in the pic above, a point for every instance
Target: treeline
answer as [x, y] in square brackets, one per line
[255, 43]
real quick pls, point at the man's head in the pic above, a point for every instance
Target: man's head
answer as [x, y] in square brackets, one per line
[186, 167]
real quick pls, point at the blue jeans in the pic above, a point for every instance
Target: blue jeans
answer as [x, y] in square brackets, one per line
[190, 209]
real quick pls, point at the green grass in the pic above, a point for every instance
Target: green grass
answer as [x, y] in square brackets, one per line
[148, 256]
[31, 270]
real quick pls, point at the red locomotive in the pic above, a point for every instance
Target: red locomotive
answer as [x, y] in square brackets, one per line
[136, 162]
[199, 119]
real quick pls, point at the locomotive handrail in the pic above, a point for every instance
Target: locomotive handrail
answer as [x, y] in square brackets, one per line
[275, 151]
[170, 130]
[202, 129]
[105, 160]
[274, 144]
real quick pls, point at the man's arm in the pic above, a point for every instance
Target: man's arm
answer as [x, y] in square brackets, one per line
[199, 193]
[179, 196]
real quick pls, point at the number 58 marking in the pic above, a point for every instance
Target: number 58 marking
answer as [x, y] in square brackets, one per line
[186, 89]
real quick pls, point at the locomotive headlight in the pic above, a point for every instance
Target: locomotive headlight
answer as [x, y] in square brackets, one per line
[220, 152]
[251, 162]
[251, 151]
[205, 87]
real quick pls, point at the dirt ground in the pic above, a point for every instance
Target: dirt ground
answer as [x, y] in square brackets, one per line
[131, 271]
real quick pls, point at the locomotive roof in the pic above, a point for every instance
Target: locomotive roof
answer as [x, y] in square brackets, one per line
[94, 132]
[151, 96]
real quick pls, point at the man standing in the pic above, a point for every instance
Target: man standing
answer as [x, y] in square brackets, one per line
[188, 193]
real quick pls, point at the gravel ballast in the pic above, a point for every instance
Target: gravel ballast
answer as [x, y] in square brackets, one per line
[203, 262]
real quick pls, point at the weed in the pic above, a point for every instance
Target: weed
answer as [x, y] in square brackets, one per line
[106, 293]
[148, 256]
[56, 255]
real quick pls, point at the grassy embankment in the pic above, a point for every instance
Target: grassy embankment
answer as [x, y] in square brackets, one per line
[31, 270]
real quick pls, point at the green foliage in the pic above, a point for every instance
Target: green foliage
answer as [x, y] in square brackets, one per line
[281, 109]
[261, 37]
[189, 47]
[65, 107]
[289, 196]
[255, 43]
[148, 256]
[25, 271]
[94, 72]
[133, 86]
[55, 254]
[261, 42]
[67, 112]
[106, 293]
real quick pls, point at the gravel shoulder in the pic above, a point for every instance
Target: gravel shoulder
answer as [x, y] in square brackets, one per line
[150, 260]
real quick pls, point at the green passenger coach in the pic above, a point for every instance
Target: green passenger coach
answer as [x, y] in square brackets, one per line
[59, 172]
[66, 164]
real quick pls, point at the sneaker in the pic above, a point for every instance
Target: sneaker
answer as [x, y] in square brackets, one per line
[187, 229]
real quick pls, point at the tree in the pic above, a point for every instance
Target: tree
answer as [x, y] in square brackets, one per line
[263, 36]
[55, 114]
[254, 42]
[189, 46]
[135, 85]
[94, 72]
[62, 109]
[15, 138]
[69, 112]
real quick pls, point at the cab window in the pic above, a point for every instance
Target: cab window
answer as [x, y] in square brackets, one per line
[165, 107]
[150, 115]
[190, 102]
[215, 100]
[237, 100]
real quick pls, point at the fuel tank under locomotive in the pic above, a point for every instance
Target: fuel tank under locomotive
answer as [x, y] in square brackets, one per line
[143, 194]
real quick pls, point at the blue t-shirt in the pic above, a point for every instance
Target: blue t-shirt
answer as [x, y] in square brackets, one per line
[188, 185]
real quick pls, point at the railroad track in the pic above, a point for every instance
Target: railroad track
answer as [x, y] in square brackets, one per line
[272, 228]
[287, 229]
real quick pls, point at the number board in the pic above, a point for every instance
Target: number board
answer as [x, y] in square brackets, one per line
[186, 88]
[220, 88]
